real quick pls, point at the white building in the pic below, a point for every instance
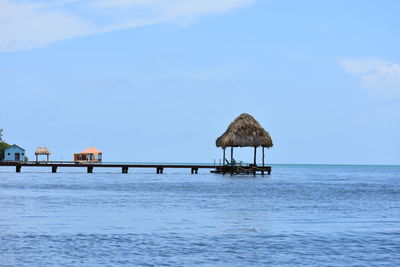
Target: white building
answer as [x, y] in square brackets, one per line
[14, 153]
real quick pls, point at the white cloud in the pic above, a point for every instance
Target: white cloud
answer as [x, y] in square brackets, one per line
[362, 65]
[30, 24]
[380, 77]
[384, 82]
[176, 7]
[27, 25]
[124, 3]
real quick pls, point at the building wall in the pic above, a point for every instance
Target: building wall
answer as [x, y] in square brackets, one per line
[9, 153]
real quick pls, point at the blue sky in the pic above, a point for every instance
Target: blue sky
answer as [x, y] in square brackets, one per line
[160, 80]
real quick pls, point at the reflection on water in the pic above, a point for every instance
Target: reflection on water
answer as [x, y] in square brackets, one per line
[308, 215]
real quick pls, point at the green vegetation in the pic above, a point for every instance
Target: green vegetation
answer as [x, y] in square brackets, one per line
[3, 145]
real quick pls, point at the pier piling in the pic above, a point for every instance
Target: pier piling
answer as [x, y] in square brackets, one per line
[125, 169]
[89, 169]
[53, 169]
[18, 168]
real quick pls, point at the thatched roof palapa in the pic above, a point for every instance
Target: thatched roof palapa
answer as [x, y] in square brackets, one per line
[42, 151]
[244, 131]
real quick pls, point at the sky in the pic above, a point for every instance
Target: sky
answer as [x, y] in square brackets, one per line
[160, 80]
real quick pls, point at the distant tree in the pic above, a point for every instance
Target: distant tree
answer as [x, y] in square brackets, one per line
[3, 145]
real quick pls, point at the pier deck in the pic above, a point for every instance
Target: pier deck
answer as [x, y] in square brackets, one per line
[54, 165]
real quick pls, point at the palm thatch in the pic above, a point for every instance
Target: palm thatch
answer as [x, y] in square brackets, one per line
[244, 131]
[42, 151]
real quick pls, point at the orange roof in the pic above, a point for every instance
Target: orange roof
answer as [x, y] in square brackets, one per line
[91, 150]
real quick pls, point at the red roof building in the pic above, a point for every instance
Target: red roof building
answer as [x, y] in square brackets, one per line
[89, 155]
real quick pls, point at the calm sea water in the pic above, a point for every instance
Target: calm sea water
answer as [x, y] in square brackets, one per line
[300, 215]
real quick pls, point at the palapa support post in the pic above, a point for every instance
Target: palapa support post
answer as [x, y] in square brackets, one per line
[89, 169]
[47, 158]
[263, 157]
[255, 156]
[232, 160]
[223, 160]
[17, 168]
[53, 169]
[37, 159]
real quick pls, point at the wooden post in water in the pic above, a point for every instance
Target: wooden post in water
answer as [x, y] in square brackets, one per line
[53, 169]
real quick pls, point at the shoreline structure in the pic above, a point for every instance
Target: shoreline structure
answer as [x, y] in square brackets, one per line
[125, 167]
[244, 131]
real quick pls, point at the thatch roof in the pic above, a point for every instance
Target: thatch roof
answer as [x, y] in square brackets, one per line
[42, 151]
[244, 131]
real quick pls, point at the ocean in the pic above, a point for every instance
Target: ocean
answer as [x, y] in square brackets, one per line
[309, 215]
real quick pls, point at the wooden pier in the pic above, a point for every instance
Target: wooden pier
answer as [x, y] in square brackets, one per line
[227, 169]
[54, 165]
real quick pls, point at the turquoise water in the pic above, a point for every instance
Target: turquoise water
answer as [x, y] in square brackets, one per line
[300, 215]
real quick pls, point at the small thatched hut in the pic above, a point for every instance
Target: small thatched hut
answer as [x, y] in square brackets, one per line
[244, 131]
[42, 151]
